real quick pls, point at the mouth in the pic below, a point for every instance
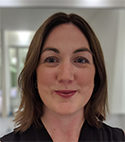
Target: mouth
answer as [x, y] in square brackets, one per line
[66, 93]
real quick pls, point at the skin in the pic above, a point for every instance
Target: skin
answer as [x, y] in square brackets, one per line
[66, 63]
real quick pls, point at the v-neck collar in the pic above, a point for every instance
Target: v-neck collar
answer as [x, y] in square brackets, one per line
[86, 133]
[41, 133]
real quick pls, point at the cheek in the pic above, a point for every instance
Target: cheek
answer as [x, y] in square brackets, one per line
[86, 84]
[86, 77]
[45, 80]
[45, 76]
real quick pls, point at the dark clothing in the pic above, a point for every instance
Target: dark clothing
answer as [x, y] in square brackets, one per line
[88, 133]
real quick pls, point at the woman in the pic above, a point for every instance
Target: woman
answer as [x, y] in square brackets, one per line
[64, 86]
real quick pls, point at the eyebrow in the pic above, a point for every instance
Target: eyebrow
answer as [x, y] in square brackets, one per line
[50, 49]
[82, 49]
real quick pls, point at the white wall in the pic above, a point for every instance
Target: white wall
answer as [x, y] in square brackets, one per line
[118, 98]
[109, 26]
[32, 18]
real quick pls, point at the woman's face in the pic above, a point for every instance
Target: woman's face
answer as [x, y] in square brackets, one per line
[65, 74]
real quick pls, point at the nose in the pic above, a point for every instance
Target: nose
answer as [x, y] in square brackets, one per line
[65, 73]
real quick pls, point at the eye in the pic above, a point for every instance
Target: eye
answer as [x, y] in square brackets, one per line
[81, 60]
[51, 60]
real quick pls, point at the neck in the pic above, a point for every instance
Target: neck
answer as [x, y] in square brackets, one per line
[66, 127]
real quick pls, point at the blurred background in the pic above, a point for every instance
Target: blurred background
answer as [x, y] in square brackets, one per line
[20, 19]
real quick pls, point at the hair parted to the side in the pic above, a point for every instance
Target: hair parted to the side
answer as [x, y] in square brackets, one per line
[31, 106]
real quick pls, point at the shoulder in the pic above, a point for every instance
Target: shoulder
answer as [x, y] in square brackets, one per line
[10, 137]
[112, 133]
[28, 135]
[104, 133]
[113, 130]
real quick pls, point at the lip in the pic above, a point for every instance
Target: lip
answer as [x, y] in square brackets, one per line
[66, 93]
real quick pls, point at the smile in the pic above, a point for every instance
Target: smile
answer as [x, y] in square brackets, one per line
[66, 93]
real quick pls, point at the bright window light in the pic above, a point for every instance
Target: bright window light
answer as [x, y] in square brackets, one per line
[23, 36]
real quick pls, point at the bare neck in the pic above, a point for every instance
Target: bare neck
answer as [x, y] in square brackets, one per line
[66, 128]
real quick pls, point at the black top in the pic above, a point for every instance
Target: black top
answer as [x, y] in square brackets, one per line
[88, 133]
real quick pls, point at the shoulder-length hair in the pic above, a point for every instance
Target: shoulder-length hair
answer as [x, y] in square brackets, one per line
[31, 106]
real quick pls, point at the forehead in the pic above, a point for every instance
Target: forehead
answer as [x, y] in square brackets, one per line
[66, 35]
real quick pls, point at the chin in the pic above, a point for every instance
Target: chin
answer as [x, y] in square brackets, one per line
[65, 111]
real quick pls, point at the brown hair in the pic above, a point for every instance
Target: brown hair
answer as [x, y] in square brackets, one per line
[31, 107]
